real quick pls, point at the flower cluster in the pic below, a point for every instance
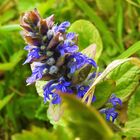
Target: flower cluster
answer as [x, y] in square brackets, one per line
[54, 57]
[111, 112]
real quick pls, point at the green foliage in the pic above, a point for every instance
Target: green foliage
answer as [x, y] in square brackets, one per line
[116, 26]
[35, 134]
[108, 69]
[14, 59]
[7, 28]
[39, 87]
[28, 105]
[132, 50]
[105, 7]
[132, 128]
[86, 120]
[6, 99]
[134, 106]
[127, 79]
[106, 35]
[41, 112]
[119, 26]
[102, 93]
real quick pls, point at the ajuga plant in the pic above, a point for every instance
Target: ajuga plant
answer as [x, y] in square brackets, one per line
[54, 57]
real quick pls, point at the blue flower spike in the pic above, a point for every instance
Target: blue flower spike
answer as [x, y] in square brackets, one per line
[53, 53]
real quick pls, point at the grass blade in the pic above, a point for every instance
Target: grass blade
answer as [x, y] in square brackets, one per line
[119, 21]
[6, 99]
[9, 28]
[130, 51]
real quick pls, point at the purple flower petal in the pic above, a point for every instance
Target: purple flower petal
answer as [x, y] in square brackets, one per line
[114, 100]
[110, 113]
[33, 54]
[62, 27]
[37, 74]
[70, 36]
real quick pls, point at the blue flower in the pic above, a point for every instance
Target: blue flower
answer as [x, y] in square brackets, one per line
[64, 86]
[68, 46]
[81, 90]
[37, 74]
[78, 60]
[91, 61]
[114, 100]
[70, 36]
[32, 55]
[48, 88]
[53, 86]
[56, 99]
[53, 53]
[110, 114]
[62, 27]
[28, 47]
[49, 93]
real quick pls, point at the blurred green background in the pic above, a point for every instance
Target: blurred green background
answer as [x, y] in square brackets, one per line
[118, 22]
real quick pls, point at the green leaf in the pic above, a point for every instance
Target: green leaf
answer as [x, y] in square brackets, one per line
[35, 134]
[39, 87]
[15, 58]
[119, 25]
[41, 112]
[133, 111]
[132, 128]
[125, 84]
[28, 105]
[127, 79]
[87, 35]
[83, 120]
[108, 69]
[103, 91]
[9, 28]
[5, 100]
[130, 51]
[62, 133]
[117, 137]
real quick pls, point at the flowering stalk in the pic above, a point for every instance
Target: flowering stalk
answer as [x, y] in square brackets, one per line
[54, 57]
[52, 53]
